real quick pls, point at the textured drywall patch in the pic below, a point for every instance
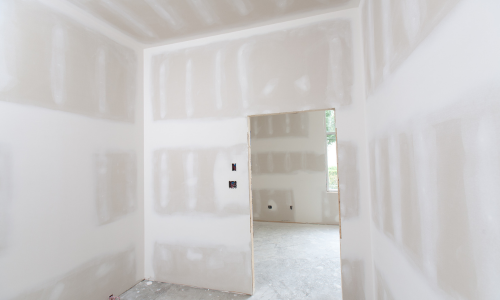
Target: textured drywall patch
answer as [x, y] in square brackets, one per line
[385, 187]
[393, 29]
[287, 162]
[73, 68]
[381, 287]
[282, 125]
[481, 177]
[189, 180]
[219, 268]
[259, 75]
[154, 21]
[410, 210]
[5, 195]
[280, 202]
[96, 279]
[348, 171]
[116, 191]
[455, 263]
[353, 279]
[376, 216]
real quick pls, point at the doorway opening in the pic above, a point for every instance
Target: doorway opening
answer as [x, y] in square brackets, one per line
[295, 216]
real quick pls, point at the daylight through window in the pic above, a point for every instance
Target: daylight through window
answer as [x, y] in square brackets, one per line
[331, 150]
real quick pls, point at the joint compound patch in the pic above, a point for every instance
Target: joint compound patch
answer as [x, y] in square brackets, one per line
[75, 69]
[306, 67]
[353, 279]
[348, 172]
[95, 279]
[219, 268]
[196, 180]
[116, 190]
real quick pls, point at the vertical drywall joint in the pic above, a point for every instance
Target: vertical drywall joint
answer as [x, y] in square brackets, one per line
[361, 59]
[250, 197]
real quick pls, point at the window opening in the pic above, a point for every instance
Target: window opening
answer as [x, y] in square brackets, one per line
[331, 151]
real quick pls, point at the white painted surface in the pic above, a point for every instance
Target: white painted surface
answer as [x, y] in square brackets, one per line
[221, 101]
[154, 22]
[444, 97]
[50, 135]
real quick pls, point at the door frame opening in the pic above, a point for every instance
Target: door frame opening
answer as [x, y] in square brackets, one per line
[250, 176]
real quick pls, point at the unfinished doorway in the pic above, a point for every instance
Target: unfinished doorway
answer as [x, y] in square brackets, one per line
[295, 207]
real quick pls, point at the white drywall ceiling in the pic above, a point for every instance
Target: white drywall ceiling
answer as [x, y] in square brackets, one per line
[165, 21]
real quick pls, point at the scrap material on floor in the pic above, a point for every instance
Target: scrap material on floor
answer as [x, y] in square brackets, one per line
[292, 261]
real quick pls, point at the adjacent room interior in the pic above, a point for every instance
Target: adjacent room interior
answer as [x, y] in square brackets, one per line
[120, 122]
[294, 188]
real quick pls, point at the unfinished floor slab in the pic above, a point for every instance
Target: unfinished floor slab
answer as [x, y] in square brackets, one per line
[292, 261]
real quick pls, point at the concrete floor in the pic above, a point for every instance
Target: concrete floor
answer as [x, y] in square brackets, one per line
[292, 261]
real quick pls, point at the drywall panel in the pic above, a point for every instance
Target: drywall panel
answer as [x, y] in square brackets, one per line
[393, 29]
[96, 279]
[290, 185]
[116, 188]
[353, 274]
[349, 187]
[249, 76]
[198, 96]
[201, 177]
[155, 21]
[381, 287]
[219, 268]
[288, 162]
[5, 195]
[282, 125]
[433, 131]
[71, 157]
[73, 69]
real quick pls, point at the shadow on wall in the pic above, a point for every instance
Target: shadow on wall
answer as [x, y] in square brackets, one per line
[5, 196]
[189, 180]
[219, 268]
[116, 192]
[240, 77]
[74, 69]
[96, 279]
[409, 21]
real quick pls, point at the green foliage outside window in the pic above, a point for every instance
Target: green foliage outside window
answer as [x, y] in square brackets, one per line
[330, 126]
[331, 139]
[332, 178]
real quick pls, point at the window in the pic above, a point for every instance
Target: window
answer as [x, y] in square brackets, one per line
[331, 150]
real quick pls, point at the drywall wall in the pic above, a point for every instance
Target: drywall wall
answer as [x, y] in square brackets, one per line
[71, 144]
[434, 139]
[161, 21]
[289, 169]
[198, 95]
